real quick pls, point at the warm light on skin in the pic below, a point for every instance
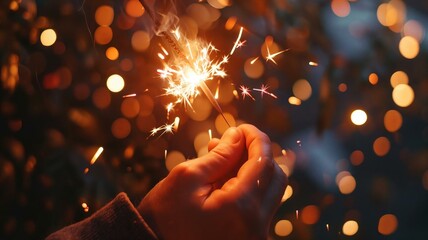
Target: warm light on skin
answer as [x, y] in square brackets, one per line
[115, 83]
[48, 37]
[358, 117]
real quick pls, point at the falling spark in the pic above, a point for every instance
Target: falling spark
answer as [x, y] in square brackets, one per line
[263, 90]
[130, 95]
[297, 214]
[258, 182]
[161, 56]
[254, 60]
[313, 64]
[217, 90]
[245, 92]
[299, 143]
[96, 155]
[328, 227]
[260, 159]
[271, 56]
[210, 134]
[166, 153]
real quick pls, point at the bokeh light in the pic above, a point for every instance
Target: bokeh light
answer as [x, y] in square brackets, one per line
[381, 146]
[357, 157]
[399, 77]
[341, 8]
[121, 128]
[283, 228]
[174, 158]
[48, 37]
[409, 47]
[393, 120]
[253, 69]
[103, 35]
[347, 184]
[287, 193]
[403, 95]
[134, 8]
[112, 53]
[310, 214]
[388, 224]
[358, 117]
[140, 41]
[302, 89]
[115, 83]
[373, 78]
[350, 228]
[104, 15]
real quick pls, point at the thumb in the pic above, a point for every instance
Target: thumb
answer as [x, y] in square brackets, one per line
[224, 158]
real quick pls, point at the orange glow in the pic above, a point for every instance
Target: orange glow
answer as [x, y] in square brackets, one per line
[283, 228]
[121, 128]
[287, 193]
[302, 89]
[399, 77]
[112, 53]
[347, 184]
[103, 35]
[393, 120]
[341, 8]
[388, 224]
[220, 123]
[381, 146]
[310, 214]
[174, 158]
[96, 155]
[357, 157]
[130, 107]
[134, 8]
[101, 98]
[140, 41]
[415, 29]
[104, 15]
[230, 23]
[252, 69]
[373, 78]
[343, 87]
[387, 14]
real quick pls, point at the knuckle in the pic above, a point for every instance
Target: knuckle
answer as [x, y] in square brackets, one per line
[184, 171]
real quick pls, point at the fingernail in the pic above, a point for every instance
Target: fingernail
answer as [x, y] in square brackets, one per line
[232, 135]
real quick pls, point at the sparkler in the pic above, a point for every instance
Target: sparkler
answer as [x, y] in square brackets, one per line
[189, 67]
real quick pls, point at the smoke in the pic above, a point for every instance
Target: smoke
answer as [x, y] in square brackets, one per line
[161, 16]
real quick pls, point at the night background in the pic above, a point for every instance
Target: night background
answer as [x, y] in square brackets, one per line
[346, 108]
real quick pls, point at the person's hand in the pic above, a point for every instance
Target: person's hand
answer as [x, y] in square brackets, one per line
[230, 193]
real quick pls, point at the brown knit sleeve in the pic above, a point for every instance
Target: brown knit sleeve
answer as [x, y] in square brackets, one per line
[117, 220]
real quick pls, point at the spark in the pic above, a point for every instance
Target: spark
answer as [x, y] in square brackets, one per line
[166, 128]
[299, 143]
[169, 108]
[238, 42]
[271, 56]
[166, 153]
[176, 123]
[297, 214]
[254, 60]
[313, 64]
[96, 155]
[328, 227]
[258, 182]
[263, 90]
[210, 134]
[130, 95]
[245, 92]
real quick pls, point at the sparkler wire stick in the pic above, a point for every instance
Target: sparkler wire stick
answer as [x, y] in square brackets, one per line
[169, 40]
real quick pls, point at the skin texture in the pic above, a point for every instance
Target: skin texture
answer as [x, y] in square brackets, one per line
[230, 193]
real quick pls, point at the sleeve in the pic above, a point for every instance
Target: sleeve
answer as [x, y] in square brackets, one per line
[117, 220]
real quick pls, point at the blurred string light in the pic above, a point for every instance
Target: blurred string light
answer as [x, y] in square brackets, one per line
[403, 95]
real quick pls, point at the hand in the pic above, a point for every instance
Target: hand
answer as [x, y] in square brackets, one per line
[230, 193]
